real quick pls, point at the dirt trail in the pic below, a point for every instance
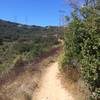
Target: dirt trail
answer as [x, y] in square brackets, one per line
[51, 88]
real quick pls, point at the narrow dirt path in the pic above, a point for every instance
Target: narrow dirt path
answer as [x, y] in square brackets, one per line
[51, 88]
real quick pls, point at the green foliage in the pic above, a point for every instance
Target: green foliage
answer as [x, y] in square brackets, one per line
[63, 61]
[91, 53]
[22, 43]
[82, 45]
[22, 47]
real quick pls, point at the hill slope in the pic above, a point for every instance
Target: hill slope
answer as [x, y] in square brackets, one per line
[20, 44]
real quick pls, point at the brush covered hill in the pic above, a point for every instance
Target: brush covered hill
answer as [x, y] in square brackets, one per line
[22, 43]
[10, 31]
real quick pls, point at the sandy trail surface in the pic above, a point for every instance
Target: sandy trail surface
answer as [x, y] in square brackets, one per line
[51, 88]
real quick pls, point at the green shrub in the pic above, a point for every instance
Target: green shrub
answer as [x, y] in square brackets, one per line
[82, 45]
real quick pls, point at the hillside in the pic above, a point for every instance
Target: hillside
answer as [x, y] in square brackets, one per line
[10, 31]
[20, 44]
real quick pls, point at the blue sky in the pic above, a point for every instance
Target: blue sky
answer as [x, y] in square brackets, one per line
[35, 12]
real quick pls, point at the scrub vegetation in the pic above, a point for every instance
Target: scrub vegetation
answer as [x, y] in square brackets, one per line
[21, 44]
[82, 44]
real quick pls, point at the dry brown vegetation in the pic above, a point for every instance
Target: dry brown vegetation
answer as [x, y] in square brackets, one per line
[22, 86]
[72, 81]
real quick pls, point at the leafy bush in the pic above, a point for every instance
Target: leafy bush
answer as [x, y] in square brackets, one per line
[82, 45]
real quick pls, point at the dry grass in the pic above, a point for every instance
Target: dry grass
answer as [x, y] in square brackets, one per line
[71, 80]
[24, 84]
